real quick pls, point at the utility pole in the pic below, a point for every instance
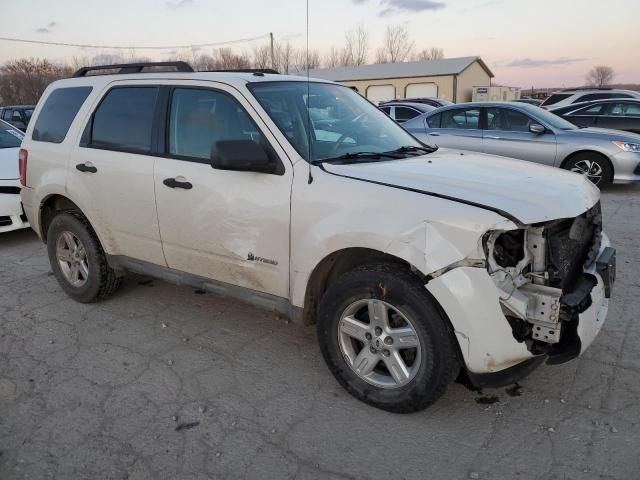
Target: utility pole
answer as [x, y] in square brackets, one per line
[273, 55]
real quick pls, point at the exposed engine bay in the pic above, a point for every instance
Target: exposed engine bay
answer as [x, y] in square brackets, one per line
[539, 270]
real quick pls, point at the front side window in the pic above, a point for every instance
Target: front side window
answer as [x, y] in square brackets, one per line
[10, 137]
[323, 120]
[58, 112]
[625, 110]
[507, 120]
[124, 119]
[465, 119]
[200, 118]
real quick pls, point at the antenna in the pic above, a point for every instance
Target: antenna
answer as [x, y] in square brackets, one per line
[308, 100]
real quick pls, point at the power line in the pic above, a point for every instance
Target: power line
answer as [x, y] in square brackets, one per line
[167, 47]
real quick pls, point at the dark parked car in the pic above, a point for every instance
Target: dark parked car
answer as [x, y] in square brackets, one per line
[530, 101]
[433, 101]
[618, 113]
[17, 115]
[402, 111]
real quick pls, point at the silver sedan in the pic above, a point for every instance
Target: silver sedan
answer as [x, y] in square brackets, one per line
[526, 132]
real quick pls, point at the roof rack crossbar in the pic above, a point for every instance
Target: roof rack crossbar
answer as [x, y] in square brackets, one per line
[133, 67]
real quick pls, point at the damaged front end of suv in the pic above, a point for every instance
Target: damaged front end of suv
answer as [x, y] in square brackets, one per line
[549, 275]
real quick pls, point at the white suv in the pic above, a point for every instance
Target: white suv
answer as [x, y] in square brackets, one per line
[570, 96]
[304, 198]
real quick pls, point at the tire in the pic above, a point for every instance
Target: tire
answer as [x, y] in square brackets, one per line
[430, 366]
[593, 166]
[70, 242]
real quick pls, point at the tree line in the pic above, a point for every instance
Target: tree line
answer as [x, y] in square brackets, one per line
[22, 81]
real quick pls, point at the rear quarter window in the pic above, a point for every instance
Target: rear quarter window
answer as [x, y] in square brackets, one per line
[58, 112]
[434, 121]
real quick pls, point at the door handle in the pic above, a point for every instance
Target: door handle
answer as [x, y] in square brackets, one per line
[493, 138]
[86, 167]
[433, 134]
[173, 183]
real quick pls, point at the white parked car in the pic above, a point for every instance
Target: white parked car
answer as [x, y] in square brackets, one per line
[415, 263]
[12, 216]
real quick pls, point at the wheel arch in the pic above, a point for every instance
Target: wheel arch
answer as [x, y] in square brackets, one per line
[51, 206]
[335, 264]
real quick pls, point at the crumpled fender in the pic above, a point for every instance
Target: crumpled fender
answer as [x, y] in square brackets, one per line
[432, 245]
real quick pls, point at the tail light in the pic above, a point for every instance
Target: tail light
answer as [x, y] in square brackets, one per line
[22, 166]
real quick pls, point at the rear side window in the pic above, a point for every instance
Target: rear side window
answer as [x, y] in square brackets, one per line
[434, 121]
[124, 120]
[403, 113]
[555, 98]
[461, 119]
[58, 113]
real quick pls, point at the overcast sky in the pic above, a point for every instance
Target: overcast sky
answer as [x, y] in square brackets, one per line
[525, 42]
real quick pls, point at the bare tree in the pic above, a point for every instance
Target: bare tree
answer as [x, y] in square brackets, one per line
[600, 76]
[285, 56]
[261, 56]
[332, 59]
[357, 45]
[304, 60]
[433, 53]
[397, 45]
[22, 81]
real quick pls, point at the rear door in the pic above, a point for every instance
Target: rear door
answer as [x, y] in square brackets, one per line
[457, 128]
[231, 226]
[112, 170]
[507, 134]
[622, 116]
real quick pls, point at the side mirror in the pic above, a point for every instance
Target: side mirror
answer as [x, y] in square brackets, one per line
[241, 155]
[537, 128]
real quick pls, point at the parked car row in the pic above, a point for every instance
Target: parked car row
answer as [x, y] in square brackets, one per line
[17, 115]
[12, 216]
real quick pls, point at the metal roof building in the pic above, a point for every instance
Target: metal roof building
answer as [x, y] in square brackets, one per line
[449, 78]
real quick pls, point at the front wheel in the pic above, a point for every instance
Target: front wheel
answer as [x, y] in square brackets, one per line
[384, 339]
[593, 166]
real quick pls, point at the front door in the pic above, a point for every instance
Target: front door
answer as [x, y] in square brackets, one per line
[507, 134]
[230, 226]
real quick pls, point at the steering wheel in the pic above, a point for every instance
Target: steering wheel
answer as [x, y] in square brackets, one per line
[351, 129]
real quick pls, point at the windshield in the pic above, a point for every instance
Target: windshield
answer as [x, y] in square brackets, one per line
[341, 121]
[553, 120]
[9, 137]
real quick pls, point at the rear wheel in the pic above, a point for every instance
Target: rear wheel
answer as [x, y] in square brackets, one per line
[77, 259]
[593, 166]
[384, 339]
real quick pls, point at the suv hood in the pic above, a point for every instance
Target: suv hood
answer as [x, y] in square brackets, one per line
[520, 190]
[9, 163]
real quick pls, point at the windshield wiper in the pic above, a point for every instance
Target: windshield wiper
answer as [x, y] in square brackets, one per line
[414, 148]
[356, 157]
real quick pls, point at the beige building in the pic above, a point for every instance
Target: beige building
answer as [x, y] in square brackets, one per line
[451, 78]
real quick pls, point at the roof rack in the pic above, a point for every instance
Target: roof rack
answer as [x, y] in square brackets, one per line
[248, 70]
[133, 67]
[585, 88]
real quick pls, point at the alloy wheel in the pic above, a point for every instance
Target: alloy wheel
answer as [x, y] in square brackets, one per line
[591, 169]
[379, 343]
[72, 259]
